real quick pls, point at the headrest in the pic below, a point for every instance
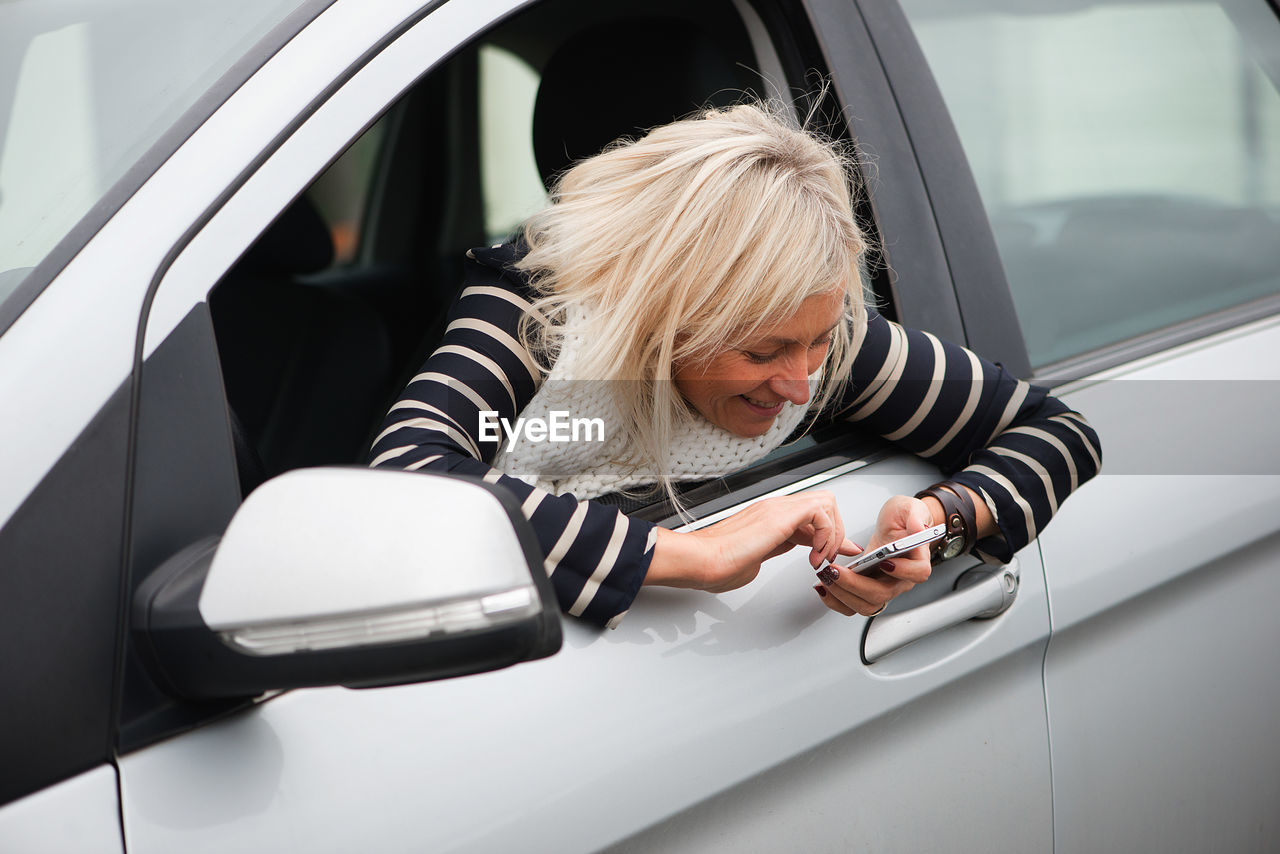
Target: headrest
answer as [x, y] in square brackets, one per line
[622, 78]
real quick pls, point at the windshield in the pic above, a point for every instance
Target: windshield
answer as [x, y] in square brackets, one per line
[86, 88]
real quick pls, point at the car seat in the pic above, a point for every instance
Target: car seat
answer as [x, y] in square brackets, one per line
[305, 364]
[625, 76]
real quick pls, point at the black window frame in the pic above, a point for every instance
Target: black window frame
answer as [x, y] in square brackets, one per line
[61, 564]
[925, 254]
[987, 313]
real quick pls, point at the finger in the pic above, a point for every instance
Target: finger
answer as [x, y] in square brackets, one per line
[850, 548]
[918, 519]
[832, 602]
[838, 538]
[875, 590]
[826, 525]
[866, 600]
[824, 545]
[925, 520]
[853, 604]
[915, 571]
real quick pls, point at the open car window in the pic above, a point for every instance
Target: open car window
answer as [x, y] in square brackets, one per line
[326, 317]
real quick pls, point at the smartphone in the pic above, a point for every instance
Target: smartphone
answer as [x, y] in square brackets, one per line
[868, 559]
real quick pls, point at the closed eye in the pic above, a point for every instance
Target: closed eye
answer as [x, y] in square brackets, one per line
[760, 358]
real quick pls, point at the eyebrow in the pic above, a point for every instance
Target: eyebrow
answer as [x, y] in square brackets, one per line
[777, 341]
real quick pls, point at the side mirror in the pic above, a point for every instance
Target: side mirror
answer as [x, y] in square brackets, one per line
[348, 576]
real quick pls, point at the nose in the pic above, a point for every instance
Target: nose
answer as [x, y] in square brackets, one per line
[792, 380]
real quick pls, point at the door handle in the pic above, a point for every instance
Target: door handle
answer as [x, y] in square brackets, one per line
[981, 593]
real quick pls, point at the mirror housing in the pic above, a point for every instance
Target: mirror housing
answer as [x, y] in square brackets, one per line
[350, 576]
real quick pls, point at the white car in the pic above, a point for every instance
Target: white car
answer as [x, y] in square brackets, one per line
[227, 231]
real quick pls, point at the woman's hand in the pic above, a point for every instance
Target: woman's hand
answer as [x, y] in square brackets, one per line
[728, 554]
[852, 593]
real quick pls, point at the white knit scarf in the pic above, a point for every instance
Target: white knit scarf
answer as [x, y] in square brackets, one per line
[699, 449]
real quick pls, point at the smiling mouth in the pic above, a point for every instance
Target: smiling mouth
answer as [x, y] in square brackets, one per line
[763, 407]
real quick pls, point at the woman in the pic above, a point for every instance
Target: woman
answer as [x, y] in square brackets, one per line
[697, 296]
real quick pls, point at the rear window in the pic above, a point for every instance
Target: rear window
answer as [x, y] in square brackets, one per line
[1128, 155]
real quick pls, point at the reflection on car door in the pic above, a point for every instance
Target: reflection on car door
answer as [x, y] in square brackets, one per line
[935, 745]
[740, 721]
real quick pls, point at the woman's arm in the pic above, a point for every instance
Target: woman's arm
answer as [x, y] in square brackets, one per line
[728, 554]
[596, 556]
[1016, 451]
[1019, 451]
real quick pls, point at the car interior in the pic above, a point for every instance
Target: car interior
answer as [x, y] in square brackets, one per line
[326, 317]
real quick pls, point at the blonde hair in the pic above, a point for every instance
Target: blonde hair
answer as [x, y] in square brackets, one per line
[684, 244]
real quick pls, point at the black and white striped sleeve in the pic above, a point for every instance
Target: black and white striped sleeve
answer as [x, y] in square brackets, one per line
[596, 556]
[1011, 442]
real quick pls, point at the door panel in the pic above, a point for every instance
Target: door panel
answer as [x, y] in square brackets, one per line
[1164, 721]
[762, 688]
[943, 772]
[1161, 676]
[81, 814]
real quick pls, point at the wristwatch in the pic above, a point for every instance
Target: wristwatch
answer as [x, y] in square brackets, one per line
[961, 519]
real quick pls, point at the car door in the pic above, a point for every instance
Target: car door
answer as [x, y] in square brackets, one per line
[742, 721]
[1128, 159]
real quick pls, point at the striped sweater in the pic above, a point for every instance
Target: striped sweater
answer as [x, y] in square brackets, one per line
[1021, 449]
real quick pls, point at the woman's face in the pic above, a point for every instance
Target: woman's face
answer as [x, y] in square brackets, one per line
[743, 390]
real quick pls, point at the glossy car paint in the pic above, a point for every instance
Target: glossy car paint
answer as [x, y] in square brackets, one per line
[1161, 678]
[692, 696]
[734, 722]
[80, 814]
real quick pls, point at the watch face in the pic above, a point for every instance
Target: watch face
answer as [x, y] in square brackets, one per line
[952, 547]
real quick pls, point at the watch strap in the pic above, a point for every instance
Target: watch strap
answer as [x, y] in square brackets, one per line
[961, 516]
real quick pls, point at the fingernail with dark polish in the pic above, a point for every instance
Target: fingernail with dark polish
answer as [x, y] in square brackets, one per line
[886, 566]
[828, 574]
[822, 591]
